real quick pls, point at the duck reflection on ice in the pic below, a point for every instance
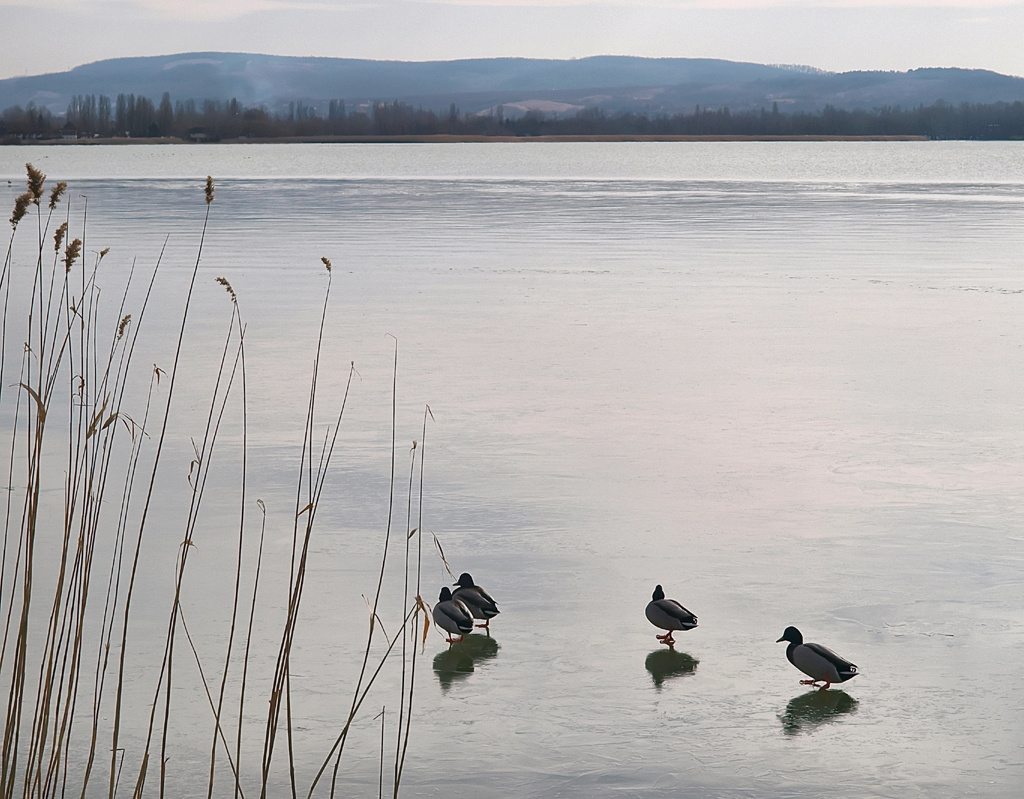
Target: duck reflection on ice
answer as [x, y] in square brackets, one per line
[809, 711]
[459, 661]
[663, 664]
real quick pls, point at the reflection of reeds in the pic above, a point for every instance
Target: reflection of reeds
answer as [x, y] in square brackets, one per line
[71, 417]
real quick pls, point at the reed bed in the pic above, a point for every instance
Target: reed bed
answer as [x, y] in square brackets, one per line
[88, 430]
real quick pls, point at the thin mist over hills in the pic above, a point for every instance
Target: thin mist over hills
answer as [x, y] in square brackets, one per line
[651, 86]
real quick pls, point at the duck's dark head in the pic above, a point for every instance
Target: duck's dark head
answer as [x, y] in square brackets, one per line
[658, 593]
[465, 581]
[446, 594]
[792, 634]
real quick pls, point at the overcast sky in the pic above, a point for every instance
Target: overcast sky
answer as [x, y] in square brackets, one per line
[54, 35]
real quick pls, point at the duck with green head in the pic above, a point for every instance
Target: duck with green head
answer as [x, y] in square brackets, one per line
[818, 662]
[480, 603]
[452, 616]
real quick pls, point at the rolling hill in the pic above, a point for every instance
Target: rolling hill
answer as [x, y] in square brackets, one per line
[613, 83]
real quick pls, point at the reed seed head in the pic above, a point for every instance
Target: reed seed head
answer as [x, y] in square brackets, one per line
[36, 179]
[71, 254]
[327, 263]
[21, 204]
[55, 195]
[209, 189]
[227, 286]
[104, 252]
[58, 236]
[124, 325]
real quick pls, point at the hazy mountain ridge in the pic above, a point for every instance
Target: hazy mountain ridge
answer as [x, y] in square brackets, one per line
[613, 83]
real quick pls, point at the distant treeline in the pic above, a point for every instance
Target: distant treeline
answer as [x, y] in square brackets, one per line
[91, 116]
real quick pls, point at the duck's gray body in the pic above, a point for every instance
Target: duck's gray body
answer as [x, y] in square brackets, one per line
[452, 615]
[818, 662]
[481, 604]
[668, 615]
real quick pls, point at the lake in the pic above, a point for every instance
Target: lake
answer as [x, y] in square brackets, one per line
[783, 380]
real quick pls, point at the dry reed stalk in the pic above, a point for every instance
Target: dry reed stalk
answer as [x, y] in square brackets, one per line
[402, 742]
[39, 384]
[5, 284]
[114, 578]
[64, 327]
[202, 463]
[41, 713]
[311, 480]
[410, 532]
[205, 454]
[380, 778]
[113, 592]
[236, 316]
[115, 767]
[248, 640]
[68, 360]
[360, 691]
[147, 504]
[90, 468]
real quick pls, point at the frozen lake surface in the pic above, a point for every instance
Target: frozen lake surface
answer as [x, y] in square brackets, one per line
[785, 381]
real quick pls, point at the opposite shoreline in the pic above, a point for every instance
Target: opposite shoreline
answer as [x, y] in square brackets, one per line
[455, 139]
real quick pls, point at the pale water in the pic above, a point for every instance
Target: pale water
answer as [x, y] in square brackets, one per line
[786, 381]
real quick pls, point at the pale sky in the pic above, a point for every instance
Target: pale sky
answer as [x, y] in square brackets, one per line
[54, 35]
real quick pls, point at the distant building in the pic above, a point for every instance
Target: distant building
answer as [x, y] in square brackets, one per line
[69, 131]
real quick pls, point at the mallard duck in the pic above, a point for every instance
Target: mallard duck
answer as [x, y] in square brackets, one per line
[480, 603]
[668, 615]
[452, 616]
[816, 661]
